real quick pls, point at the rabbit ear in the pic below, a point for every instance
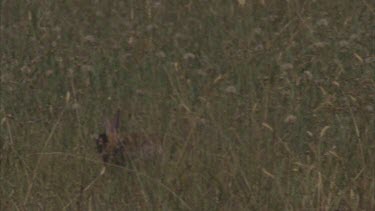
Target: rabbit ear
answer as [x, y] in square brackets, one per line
[111, 129]
[113, 126]
[108, 127]
[116, 121]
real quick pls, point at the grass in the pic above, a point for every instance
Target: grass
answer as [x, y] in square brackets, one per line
[262, 105]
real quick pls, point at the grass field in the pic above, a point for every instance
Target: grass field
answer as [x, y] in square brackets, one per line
[261, 105]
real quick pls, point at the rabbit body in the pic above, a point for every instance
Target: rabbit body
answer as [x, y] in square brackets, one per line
[118, 149]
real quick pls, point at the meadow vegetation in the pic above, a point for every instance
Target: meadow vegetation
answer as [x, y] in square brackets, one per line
[260, 105]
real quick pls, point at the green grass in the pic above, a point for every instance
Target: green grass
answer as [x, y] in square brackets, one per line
[260, 106]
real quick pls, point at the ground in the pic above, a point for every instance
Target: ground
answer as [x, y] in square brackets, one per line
[260, 105]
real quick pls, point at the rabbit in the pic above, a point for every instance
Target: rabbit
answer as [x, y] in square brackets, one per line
[119, 150]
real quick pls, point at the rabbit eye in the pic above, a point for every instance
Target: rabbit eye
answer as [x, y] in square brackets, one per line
[101, 141]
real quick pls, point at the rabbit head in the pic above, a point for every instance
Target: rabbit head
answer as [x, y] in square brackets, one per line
[108, 144]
